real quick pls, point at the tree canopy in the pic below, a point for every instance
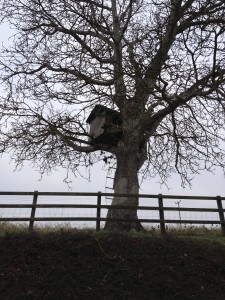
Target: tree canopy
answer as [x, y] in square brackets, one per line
[161, 64]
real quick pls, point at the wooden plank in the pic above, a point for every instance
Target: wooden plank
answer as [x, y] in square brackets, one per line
[109, 206]
[116, 219]
[33, 210]
[17, 193]
[161, 215]
[148, 196]
[195, 209]
[98, 213]
[221, 214]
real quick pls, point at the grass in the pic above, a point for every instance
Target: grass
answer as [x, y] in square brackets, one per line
[212, 232]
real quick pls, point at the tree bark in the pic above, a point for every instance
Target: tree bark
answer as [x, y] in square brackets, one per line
[129, 163]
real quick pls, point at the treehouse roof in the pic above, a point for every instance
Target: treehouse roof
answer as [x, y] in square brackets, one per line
[99, 109]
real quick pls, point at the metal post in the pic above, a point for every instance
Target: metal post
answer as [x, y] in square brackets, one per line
[178, 204]
[99, 200]
[221, 214]
[33, 210]
[161, 215]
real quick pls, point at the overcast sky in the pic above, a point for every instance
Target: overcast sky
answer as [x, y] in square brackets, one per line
[27, 179]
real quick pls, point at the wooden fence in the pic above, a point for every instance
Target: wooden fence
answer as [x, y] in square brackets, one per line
[98, 206]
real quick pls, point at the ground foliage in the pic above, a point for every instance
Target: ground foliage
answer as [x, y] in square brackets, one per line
[71, 265]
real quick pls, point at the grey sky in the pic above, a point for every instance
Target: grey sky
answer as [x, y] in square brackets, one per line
[27, 179]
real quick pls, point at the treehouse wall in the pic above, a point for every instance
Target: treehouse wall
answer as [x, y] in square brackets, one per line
[97, 126]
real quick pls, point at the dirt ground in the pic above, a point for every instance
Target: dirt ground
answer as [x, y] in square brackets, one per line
[86, 266]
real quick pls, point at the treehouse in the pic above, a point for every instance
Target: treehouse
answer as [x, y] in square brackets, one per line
[105, 126]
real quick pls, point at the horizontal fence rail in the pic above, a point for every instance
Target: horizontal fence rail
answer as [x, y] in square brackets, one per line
[98, 207]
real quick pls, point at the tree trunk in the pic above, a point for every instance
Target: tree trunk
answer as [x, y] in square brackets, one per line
[126, 182]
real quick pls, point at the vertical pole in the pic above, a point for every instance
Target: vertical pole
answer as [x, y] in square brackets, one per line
[221, 214]
[33, 210]
[161, 215]
[178, 204]
[99, 200]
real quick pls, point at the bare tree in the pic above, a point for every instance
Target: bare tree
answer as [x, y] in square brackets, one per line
[159, 63]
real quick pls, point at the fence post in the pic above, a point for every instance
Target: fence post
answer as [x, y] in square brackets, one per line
[221, 214]
[161, 215]
[33, 210]
[99, 200]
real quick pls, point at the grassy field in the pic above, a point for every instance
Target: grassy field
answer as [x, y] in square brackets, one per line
[66, 264]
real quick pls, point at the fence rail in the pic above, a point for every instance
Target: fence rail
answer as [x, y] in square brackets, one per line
[161, 220]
